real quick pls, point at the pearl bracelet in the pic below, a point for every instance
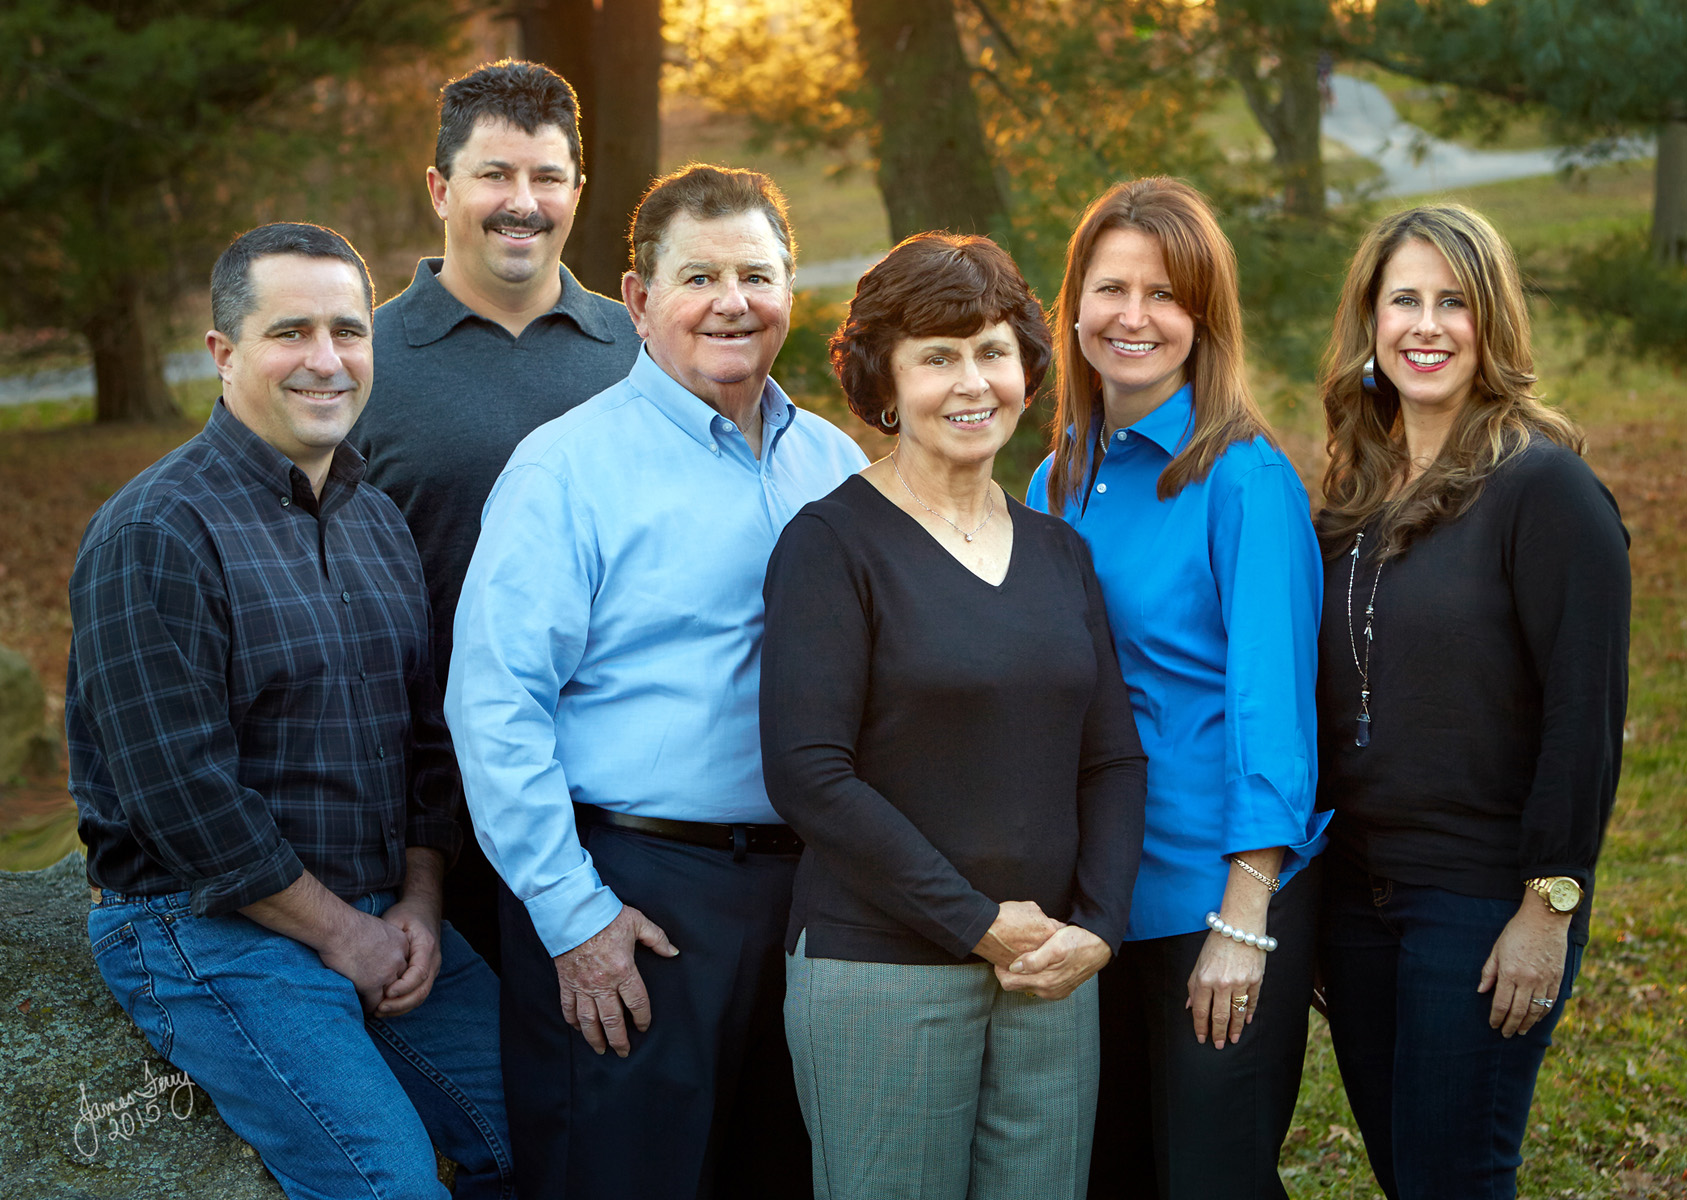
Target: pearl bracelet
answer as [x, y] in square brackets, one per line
[1257, 940]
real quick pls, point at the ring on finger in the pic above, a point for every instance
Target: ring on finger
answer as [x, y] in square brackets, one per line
[1239, 1002]
[1542, 1001]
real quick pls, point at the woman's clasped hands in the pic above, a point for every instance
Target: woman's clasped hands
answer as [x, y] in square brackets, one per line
[1033, 952]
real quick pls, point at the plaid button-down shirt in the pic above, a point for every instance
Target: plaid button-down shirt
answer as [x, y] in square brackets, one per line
[250, 690]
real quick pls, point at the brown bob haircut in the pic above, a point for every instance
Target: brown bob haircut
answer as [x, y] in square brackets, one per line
[933, 285]
[1202, 266]
[707, 193]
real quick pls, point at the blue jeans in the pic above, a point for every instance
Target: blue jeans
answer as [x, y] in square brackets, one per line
[1441, 1099]
[338, 1105]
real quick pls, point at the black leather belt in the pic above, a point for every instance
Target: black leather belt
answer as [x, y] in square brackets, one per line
[740, 839]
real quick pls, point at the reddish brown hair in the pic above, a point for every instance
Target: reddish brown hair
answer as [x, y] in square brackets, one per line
[1202, 269]
[933, 284]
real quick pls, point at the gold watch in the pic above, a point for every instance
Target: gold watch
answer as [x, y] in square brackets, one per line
[1561, 893]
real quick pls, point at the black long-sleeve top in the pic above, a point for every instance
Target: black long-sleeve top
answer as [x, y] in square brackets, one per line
[943, 744]
[1499, 682]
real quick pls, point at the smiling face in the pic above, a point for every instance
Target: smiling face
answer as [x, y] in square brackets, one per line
[1426, 331]
[1131, 327]
[299, 375]
[717, 307]
[507, 206]
[958, 399]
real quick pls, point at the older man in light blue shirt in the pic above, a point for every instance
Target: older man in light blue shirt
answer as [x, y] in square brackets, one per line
[603, 702]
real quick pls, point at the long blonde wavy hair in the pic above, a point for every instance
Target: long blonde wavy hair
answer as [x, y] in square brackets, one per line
[1202, 267]
[1366, 439]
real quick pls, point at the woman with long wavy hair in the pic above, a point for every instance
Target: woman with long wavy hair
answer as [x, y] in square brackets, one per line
[1471, 693]
[1202, 539]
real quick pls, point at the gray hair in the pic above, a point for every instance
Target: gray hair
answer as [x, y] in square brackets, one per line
[708, 193]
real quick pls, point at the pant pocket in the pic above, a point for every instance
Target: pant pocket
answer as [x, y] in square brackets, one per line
[122, 965]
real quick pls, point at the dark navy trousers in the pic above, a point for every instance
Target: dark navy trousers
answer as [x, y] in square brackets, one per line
[704, 1106]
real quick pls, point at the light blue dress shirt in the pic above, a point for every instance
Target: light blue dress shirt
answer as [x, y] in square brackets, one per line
[1214, 597]
[608, 639]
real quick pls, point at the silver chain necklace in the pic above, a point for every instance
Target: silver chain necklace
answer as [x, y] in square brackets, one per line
[988, 491]
[1362, 736]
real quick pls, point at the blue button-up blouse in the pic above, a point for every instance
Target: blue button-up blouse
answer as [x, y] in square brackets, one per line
[1213, 596]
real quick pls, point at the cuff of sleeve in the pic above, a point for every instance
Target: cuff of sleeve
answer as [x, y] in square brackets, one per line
[1257, 816]
[1113, 933]
[434, 832]
[1582, 875]
[974, 932]
[219, 895]
[575, 908]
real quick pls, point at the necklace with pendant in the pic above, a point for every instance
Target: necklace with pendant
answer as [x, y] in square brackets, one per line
[989, 492]
[1362, 735]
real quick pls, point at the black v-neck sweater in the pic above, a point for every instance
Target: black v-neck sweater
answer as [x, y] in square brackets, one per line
[943, 744]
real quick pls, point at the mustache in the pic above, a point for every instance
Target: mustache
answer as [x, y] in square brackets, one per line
[537, 222]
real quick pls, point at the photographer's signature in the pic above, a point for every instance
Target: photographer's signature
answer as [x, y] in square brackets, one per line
[131, 1112]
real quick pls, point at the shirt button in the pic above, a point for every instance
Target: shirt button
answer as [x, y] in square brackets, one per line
[286, 500]
[714, 447]
[363, 674]
[1124, 435]
[380, 751]
[728, 425]
[1101, 487]
[346, 596]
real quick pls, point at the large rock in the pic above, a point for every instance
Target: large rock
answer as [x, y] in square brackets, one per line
[25, 742]
[67, 1052]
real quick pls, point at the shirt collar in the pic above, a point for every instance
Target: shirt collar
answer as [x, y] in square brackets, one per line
[1170, 425]
[431, 312]
[275, 472]
[698, 419]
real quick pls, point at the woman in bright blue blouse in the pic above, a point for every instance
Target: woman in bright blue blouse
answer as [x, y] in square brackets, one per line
[1203, 543]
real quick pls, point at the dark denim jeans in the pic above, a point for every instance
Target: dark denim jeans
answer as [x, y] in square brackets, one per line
[1441, 1099]
[337, 1105]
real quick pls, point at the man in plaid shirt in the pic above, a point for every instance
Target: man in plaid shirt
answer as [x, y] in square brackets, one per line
[262, 771]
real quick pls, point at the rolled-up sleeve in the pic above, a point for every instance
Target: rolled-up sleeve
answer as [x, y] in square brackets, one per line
[520, 633]
[151, 643]
[1270, 581]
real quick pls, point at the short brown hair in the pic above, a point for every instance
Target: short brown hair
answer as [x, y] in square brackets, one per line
[707, 193]
[933, 284]
[526, 95]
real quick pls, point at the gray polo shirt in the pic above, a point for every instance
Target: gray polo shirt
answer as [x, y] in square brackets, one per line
[454, 393]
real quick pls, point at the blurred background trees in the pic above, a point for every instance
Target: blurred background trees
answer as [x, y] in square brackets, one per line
[138, 137]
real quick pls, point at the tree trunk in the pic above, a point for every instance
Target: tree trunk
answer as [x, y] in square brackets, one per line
[1669, 194]
[613, 58]
[934, 170]
[128, 373]
[1291, 113]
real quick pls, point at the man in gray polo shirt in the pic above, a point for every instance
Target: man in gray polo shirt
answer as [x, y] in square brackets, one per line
[484, 346]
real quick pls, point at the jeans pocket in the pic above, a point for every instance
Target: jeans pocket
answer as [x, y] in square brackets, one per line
[123, 967]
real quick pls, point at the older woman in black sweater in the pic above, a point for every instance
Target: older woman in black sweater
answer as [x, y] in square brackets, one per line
[944, 723]
[1472, 683]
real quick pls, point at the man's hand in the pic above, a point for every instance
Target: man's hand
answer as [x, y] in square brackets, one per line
[598, 976]
[417, 914]
[421, 967]
[1020, 925]
[1054, 970]
[369, 952]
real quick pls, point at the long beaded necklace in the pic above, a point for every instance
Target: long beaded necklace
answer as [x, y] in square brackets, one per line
[1362, 735]
[988, 491]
